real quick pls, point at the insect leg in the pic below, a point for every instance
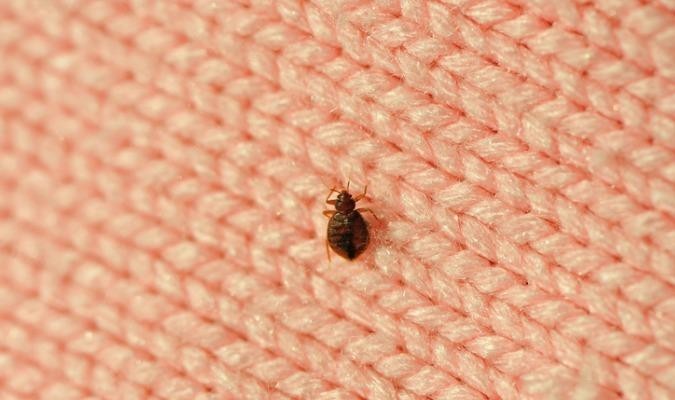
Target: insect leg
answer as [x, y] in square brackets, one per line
[368, 210]
[328, 252]
[332, 190]
[362, 195]
[329, 213]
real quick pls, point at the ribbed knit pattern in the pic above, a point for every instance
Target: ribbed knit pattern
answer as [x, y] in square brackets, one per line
[164, 165]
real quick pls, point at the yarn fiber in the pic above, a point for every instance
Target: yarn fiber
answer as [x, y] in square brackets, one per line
[164, 164]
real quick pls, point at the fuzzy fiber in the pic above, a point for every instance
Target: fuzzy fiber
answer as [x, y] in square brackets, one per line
[164, 165]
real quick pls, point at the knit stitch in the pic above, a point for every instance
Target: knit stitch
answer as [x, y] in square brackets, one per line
[163, 167]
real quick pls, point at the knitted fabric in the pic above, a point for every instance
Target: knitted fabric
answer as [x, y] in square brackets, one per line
[164, 165]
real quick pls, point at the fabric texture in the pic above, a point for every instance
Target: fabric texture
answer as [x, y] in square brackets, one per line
[164, 165]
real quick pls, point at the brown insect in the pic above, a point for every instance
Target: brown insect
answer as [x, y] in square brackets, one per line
[347, 232]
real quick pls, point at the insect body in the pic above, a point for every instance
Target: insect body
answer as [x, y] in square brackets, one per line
[347, 232]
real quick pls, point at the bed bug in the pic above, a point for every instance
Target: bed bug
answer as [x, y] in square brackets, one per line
[347, 233]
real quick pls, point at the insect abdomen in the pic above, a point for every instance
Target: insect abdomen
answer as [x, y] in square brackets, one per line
[348, 234]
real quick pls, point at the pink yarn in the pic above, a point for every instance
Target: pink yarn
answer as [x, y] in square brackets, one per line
[163, 166]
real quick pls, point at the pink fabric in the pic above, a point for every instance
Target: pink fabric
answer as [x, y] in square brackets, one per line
[163, 167]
